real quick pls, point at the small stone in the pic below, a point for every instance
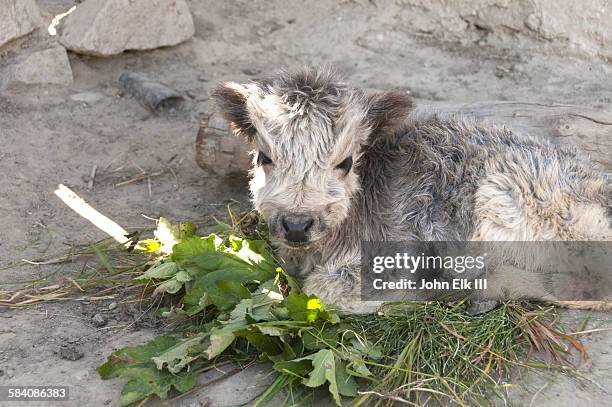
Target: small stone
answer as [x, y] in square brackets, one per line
[87, 97]
[112, 306]
[250, 72]
[70, 354]
[109, 27]
[203, 78]
[18, 17]
[50, 66]
[98, 320]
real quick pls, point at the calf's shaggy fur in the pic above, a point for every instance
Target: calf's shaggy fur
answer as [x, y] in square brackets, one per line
[346, 167]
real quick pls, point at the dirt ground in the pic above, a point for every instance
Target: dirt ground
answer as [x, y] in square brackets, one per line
[51, 135]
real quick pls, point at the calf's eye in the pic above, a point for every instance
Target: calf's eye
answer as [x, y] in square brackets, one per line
[345, 165]
[263, 159]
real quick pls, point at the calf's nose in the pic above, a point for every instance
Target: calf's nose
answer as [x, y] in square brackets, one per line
[296, 227]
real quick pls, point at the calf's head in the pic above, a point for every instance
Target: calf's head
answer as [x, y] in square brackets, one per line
[309, 131]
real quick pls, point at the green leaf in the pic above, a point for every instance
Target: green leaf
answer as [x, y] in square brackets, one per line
[194, 246]
[319, 338]
[345, 382]
[162, 271]
[271, 330]
[327, 369]
[298, 368]
[358, 368]
[183, 276]
[270, 290]
[146, 381]
[227, 294]
[136, 364]
[252, 252]
[207, 284]
[361, 347]
[177, 357]
[220, 339]
[118, 361]
[171, 286]
[265, 344]
[208, 261]
[240, 311]
[308, 308]
[255, 309]
[322, 362]
[303, 308]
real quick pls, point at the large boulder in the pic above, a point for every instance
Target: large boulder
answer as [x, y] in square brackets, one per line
[50, 66]
[17, 18]
[109, 27]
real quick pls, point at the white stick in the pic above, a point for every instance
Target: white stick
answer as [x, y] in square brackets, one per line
[77, 204]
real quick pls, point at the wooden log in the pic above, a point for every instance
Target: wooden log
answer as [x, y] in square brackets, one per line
[220, 152]
[587, 129]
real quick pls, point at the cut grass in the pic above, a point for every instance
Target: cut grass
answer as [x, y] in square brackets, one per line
[92, 282]
[435, 351]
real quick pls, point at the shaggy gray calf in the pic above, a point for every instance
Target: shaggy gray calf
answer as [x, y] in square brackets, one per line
[334, 167]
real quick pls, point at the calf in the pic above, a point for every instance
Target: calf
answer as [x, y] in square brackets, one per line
[334, 166]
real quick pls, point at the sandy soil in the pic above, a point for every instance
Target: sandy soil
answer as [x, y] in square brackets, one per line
[51, 135]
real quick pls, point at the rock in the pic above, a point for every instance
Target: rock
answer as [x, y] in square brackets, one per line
[70, 353]
[50, 66]
[109, 27]
[112, 306]
[98, 320]
[18, 18]
[250, 72]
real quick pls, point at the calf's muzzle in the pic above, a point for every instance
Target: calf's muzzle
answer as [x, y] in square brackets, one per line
[296, 227]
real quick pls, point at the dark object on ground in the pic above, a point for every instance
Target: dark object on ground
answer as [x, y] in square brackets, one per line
[98, 321]
[70, 354]
[153, 95]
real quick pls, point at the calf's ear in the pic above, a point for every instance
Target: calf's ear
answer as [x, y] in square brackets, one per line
[386, 111]
[231, 98]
